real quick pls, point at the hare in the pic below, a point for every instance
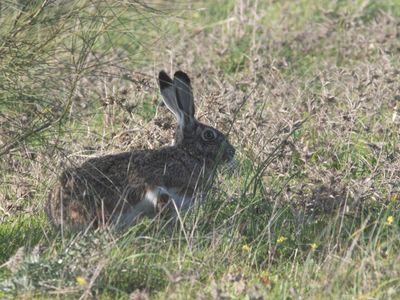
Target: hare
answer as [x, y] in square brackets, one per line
[116, 189]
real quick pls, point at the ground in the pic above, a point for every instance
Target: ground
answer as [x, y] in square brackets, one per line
[309, 93]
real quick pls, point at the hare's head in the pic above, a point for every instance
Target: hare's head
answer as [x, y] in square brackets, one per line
[200, 139]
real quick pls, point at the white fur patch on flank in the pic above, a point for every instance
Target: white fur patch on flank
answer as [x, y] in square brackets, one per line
[145, 207]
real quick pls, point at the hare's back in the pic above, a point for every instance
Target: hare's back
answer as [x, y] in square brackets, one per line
[103, 175]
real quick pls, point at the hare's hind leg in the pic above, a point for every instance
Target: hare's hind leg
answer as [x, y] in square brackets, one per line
[79, 216]
[66, 213]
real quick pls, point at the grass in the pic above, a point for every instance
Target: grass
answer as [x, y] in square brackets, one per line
[311, 212]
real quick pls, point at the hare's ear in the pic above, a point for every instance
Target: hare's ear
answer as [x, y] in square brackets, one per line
[184, 93]
[168, 92]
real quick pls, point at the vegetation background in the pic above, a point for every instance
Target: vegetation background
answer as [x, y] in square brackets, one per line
[309, 92]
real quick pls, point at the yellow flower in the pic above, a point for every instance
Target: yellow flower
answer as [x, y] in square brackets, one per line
[313, 246]
[81, 280]
[46, 110]
[196, 15]
[246, 248]
[281, 239]
[389, 220]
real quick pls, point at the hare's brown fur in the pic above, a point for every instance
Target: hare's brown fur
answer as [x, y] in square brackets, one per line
[115, 189]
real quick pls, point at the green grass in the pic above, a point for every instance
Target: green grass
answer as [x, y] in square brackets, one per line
[20, 232]
[311, 212]
[164, 264]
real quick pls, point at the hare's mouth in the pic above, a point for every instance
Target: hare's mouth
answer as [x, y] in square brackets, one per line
[232, 163]
[229, 154]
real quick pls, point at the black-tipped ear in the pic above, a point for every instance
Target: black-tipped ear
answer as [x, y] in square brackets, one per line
[164, 80]
[184, 93]
[168, 93]
[182, 76]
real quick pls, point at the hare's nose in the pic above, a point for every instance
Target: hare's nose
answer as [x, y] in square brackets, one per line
[231, 151]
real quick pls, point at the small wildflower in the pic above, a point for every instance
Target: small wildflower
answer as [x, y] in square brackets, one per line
[81, 280]
[281, 239]
[246, 248]
[389, 220]
[313, 246]
[46, 110]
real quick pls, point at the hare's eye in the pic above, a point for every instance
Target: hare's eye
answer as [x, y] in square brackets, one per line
[208, 135]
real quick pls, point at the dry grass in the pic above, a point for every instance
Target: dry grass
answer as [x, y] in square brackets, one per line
[310, 95]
